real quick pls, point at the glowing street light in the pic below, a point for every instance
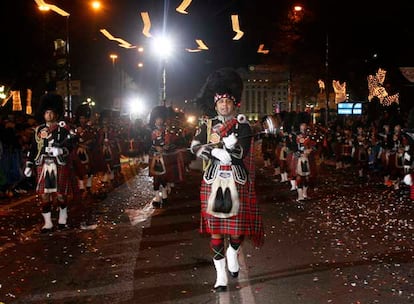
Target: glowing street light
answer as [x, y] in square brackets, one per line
[96, 5]
[46, 7]
[163, 48]
[113, 57]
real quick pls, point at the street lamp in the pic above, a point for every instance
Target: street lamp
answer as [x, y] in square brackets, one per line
[163, 48]
[113, 57]
[117, 75]
[46, 7]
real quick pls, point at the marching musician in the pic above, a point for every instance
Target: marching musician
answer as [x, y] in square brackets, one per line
[49, 156]
[157, 167]
[228, 198]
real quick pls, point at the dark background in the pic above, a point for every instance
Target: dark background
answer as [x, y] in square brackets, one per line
[362, 36]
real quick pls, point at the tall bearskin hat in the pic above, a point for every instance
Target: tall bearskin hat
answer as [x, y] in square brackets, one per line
[51, 101]
[224, 82]
[83, 110]
[158, 112]
[105, 114]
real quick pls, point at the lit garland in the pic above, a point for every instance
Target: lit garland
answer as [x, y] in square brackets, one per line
[183, 6]
[29, 102]
[261, 50]
[236, 27]
[340, 91]
[376, 89]
[147, 24]
[122, 42]
[17, 102]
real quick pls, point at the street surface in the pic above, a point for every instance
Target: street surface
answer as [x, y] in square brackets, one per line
[352, 242]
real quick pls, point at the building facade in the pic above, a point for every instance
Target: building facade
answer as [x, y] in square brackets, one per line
[266, 91]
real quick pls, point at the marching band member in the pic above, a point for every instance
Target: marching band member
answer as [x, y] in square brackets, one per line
[49, 154]
[157, 167]
[86, 139]
[228, 198]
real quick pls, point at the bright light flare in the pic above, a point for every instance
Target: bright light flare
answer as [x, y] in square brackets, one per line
[191, 119]
[298, 8]
[136, 106]
[162, 46]
[96, 5]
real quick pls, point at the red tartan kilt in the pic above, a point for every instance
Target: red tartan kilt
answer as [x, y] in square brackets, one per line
[174, 166]
[392, 164]
[186, 156]
[98, 164]
[346, 150]
[384, 161]
[64, 180]
[116, 157]
[291, 161]
[247, 222]
[277, 155]
[81, 169]
[361, 154]
[337, 150]
[131, 149]
[314, 170]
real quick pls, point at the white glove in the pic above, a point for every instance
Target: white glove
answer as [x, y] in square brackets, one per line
[230, 141]
[28, 172]
[222, 155]
[57, 151]
[408, 180]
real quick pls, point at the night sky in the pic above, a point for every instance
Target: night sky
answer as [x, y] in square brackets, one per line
[362, 36]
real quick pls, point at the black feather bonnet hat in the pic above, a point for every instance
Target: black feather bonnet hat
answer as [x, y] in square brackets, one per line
[83, 110]
[51, 101]
[158, 112]
[224, 82]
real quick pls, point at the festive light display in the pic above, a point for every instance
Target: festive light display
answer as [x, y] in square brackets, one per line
[261, 50]
[147, 24]
[236, 27]
[340, 91]
[122, 43]
[17, 102]
[29, 102]
[321, 85]
[376, 89]
[183, 6]
[201, 47]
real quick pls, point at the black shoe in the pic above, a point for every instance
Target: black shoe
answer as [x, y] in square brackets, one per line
[62, 227]
[234, 274]
[46, 230]
[219, 289]
[156, 204]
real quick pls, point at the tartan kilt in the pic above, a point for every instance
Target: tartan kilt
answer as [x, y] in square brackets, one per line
[277, 159]
[394, 167]
[361, 155]
[175, 167]
[248, 222]
[65, 180]
[97, 161]
[346, 150]
[292, 162]
[81, 168]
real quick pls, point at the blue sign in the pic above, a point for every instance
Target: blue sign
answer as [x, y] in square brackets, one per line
[350, 108]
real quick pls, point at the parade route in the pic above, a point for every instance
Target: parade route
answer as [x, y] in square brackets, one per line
[341, 246]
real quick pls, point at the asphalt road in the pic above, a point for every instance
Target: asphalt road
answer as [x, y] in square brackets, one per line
[352, 242]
